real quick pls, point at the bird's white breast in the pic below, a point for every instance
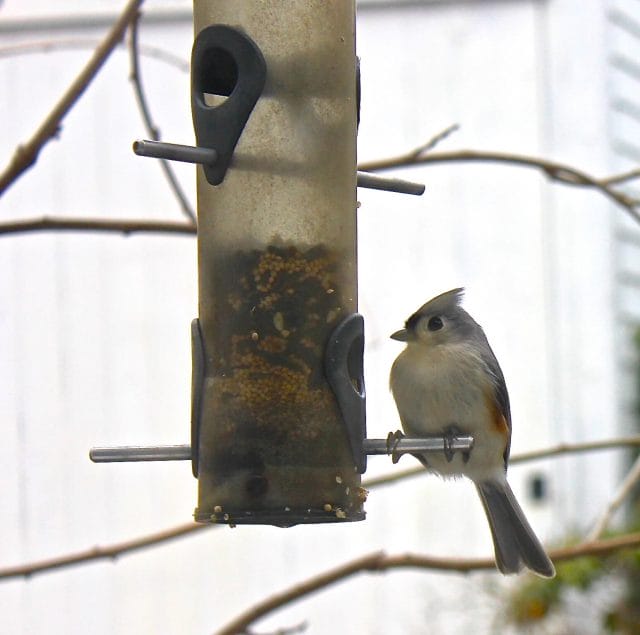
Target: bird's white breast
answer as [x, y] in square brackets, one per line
[449, 386]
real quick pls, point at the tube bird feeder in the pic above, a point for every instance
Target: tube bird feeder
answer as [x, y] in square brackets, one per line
[276, 263]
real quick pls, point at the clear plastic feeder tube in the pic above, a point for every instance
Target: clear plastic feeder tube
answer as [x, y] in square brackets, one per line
[277, 274]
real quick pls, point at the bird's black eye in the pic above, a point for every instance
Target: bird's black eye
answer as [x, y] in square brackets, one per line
[435, 323]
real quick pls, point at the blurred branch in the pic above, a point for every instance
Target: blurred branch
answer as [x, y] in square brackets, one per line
[379, 561]
[434, 141]
[626, 487]
[241, 623]
[152, 540]
[26, 155]
[110, 552]
[152, 129]
[97, 225]
[558, 172]
[621, 178]
[69, 44]
[289, 630]
[575, 448]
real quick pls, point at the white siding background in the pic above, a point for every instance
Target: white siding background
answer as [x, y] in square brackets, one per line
[624, 61]
[94, 329]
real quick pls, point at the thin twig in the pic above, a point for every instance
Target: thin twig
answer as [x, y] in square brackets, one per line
[110, 552]
[379, 561]
[287, 630]
[123, 226]
[26, 155]
[70, 44]
[628, 483]
[616, 179]
[434, 141]
[152, 129]
[574, 448]
[558, 172]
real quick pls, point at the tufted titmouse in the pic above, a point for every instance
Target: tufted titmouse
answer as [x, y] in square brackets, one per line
[448, 381]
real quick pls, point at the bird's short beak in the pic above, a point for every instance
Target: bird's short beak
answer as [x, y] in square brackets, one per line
[400, 336]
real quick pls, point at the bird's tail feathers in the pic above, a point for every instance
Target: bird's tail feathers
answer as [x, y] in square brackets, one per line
[516, 546]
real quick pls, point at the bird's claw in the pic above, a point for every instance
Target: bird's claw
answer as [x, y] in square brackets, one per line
[393, 438]
[449, 435]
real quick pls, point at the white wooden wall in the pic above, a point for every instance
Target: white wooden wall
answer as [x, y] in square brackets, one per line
[94, 329]
[624, 62]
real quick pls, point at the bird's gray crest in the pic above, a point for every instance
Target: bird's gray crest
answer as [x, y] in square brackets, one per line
[443, 303]
[440, 305]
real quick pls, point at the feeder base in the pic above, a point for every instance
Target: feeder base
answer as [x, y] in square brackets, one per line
[283, 518]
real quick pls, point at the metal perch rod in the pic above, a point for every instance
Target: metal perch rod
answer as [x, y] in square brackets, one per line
[208, 156]
[175, 152]
[134, 453]
[129, 453]
[408, 445]
[373, 182]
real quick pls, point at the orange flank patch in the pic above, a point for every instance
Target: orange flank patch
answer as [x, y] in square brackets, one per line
[498, 417]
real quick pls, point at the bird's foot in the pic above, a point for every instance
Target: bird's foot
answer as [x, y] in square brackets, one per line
[449, 435]
[393, 438]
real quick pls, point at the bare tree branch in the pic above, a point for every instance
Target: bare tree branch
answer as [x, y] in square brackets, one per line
[621, 178]
[123, 226]
[379, 561]
[152, 129]
[575, 448]
[558, 172]
[434, 141]
[100, 553]
[26, 155]
[242, 622]
[66, 44]
[287, 630]
[628, 483]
